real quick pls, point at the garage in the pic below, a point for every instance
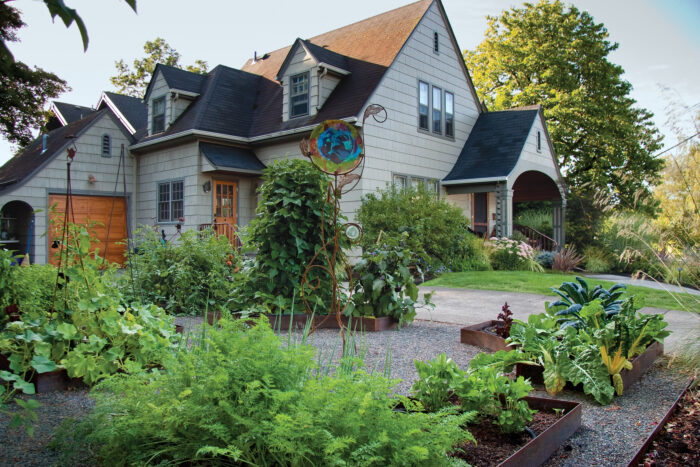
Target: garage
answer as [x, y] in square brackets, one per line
[98, 210]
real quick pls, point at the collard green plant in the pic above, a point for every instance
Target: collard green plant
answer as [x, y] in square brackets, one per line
[386, 285]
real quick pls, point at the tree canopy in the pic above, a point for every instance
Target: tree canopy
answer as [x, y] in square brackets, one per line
[134, 82]
[25, 91]
[557, 56]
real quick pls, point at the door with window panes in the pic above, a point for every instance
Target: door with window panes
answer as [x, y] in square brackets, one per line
[226, 208]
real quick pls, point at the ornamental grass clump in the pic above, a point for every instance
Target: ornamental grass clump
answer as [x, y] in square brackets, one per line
[512, 255]
[242, 396]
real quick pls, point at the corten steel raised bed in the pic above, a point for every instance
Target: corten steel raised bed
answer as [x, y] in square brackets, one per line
[478, 336]
[57, 380]
[638, 459]
[300, 320]
[640, 365]
[4, 363]
[538, 450]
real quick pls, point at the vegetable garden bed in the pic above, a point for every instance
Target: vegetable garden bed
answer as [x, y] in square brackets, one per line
[300, 320]
[676, 438]
[479, 336]
[640, 365]
[551, 431]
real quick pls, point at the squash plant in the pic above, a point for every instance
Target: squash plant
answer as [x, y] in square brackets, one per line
[386, 286]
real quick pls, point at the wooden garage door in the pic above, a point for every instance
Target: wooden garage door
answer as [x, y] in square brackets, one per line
[95, 209]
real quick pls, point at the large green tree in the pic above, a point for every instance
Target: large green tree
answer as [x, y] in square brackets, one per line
[24, 91]
[557, 56]
[134, 82]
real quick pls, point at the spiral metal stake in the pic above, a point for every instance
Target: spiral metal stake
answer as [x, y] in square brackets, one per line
[342, 182]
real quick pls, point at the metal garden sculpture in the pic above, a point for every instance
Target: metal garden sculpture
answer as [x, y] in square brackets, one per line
[337, 149]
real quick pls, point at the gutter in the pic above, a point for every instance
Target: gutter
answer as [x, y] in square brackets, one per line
[233, 139]
[467, 181]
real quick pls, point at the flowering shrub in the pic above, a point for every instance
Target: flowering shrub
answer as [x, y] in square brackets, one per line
[512, 255]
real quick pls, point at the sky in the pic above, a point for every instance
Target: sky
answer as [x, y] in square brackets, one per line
[659, 40]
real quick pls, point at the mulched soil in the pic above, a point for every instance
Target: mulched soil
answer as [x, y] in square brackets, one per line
[493, 447]
[678, 443]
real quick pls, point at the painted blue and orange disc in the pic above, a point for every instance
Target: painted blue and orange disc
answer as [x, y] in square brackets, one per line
[336, 147]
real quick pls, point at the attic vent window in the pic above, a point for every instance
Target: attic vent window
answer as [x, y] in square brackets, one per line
[106, 146]
[299, 95]
[158, 115]
[539, 141]
[436, 42]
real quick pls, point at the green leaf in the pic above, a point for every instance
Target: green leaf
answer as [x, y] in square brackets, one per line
[42, 364]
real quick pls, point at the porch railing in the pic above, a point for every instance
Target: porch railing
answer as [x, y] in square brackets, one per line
[536, 238]
[225, 229]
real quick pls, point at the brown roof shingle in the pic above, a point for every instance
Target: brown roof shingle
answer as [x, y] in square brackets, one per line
[375, 40]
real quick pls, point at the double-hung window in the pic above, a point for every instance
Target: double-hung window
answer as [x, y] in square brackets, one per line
[449, 114]
[437, 110]
[171, 200]
[423, 97]
[299, 95]
[158, 115]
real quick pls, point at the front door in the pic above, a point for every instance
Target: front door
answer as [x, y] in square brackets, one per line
[480, 219]
[225, 208]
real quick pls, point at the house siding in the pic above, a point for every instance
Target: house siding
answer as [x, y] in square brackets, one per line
[397, 145]
[301, 62]
[532, 159]
[52, 178]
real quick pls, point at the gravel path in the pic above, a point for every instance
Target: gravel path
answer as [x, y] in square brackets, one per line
[610, 435]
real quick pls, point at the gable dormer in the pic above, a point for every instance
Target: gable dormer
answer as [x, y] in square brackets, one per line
[169, 93]
[308, 76]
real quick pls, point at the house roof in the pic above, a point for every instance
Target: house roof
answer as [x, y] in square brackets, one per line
[494, 144]
[176, 78]
[231, 157]
[132, 109]
[32, 158]
[69, 113]
[319, 54]
[374, 40]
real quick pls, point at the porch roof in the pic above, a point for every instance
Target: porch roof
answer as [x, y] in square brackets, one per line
[494, 145]
[230, 157]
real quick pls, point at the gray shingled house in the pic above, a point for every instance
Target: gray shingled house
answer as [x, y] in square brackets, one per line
[190, 153]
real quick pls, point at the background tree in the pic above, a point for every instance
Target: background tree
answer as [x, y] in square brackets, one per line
[134, 82]
[557, 56]
[25, 91]
[679, 193]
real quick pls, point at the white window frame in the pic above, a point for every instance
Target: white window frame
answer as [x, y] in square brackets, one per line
[292, 95]
[155, 115]
[422, 84]
[174, 212]
[450, 133]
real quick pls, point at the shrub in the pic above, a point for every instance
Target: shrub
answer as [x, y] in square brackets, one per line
[512, 255]
[438, 231]
[597, 260]
[518, 236]
[566, 259]
[545, 258]
[186, 276]
[287, 235]
[242, 396]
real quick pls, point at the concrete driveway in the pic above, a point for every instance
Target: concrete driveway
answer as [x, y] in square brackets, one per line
[463, 306]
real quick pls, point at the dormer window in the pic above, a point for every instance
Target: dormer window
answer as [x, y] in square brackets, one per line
[299, 95]
[158, 115]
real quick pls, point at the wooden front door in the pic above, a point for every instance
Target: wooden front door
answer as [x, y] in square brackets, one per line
[104, 213]
[480, 216]
[226, 208]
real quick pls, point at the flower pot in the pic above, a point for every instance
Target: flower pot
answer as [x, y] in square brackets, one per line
[478, 336]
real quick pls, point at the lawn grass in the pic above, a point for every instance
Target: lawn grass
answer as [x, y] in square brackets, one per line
[541, 283]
